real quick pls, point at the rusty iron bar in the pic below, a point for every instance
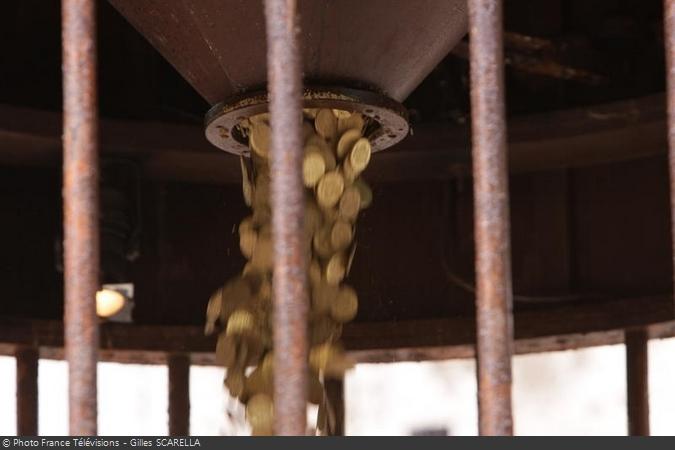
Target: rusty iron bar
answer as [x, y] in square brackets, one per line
[26, 391]
[494, 335]
[637, 381]
[669, 43]
[80, 210]
[179, 395]
[288, 200]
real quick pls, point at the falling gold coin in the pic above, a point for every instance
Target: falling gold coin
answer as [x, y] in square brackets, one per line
[341, 235]
[326, 124]
[313, 168]
[335, 269]
[350, 204]
[259, 140]
[330, 189]
[347, 141]
[364, 192]
[345, 306]
[359, 157]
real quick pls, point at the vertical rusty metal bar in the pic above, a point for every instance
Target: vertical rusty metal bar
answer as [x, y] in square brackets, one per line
[637, 381]
[669, 43]
[26, 391]
[491, 218]
[290, 284]
[179, 395]
[80, 210]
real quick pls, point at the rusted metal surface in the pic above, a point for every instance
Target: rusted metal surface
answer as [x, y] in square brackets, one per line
[288, 200]
[26, 391]
[179, 395]
[218, 46]
[669, 42]
[387, 119]
[80, 211]
[491, 218]
[637, 381]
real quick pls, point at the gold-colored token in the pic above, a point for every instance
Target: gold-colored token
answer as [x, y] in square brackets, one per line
[330, 360]
[315, 394]
[234, 381]
[259, 412]
[324, 329]
[241, 321]
[341, 235]
[236, 292]
[326, 124]
[226, 350]
[359, 156]
[317, 142]
[246, 186]
[313, 168]
[247, 241]
[350, 204]
[314, 272]
[347, 141]
[345, 306]
[330, 189]
[335, 269]
[323, 296]
[214, 307]
[263, 253]
[313, 217]
[321, 243]
[261, 193]
[355, 120]
[365, 193]
[341, 114]
[259, 139]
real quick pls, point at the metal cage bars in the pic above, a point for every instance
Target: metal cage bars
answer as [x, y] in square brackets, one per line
[493, 272]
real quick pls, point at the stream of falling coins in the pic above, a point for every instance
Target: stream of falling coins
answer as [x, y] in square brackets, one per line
[335, 154]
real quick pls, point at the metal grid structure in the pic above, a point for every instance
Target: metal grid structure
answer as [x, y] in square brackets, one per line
[493, 301]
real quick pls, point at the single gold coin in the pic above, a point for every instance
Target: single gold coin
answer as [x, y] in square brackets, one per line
[345, 305]
[234, 381]
[247, 241]
[263, 253]
[259, 412]
[321, 243]
[246, 187]
[335, 269]
[329, 189]
[323, 296]
[347, 141]
[315, 394]
[259, 139]
[226, 350]
[314, 272]
[326, 124]
[214, 307]
[365, 193]
[341, 235]
[341, 114]
[313, 168]
[316, 141]
[241, 321]
[354, 120]
[359, 157]
[350, 204]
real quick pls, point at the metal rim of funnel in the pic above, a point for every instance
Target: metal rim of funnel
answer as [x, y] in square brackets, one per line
[387, 119]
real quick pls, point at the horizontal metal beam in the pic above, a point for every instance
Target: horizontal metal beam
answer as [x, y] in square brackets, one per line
[573, 138]
[563, 327]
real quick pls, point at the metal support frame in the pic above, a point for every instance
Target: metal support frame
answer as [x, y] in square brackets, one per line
[288, 200]
[179, 395]
[80, 210]
[637, 381]
[26, 391]
[494, 326]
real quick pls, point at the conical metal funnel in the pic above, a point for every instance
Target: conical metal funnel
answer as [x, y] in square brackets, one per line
[383, 47]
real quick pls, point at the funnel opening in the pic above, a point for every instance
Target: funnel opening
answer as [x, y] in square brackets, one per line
[387, 119]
